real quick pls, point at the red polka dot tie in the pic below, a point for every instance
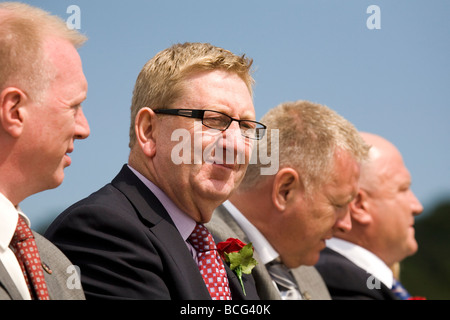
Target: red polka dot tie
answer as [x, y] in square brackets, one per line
[25, 249]
[210, 265]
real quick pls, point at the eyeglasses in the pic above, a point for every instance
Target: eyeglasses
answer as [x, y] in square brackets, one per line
[219, 121]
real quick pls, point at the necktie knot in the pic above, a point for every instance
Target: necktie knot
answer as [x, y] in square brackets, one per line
[201, 239]
[285, 281]
[23, 232]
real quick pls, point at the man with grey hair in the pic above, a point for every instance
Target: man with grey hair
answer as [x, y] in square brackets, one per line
[289, 215]
[42, 86]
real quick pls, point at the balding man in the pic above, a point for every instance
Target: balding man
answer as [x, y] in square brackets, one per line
[356, 264]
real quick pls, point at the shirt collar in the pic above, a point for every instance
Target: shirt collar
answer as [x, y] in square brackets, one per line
[265, 251]
[184, 224]
[363, 258]
[9, 216]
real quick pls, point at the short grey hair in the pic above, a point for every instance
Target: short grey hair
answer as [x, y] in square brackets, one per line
[309, 135]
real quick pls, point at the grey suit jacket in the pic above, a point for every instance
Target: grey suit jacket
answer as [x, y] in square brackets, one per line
[61, 277]
[311, 284]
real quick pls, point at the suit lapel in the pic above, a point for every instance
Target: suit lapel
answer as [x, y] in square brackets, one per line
[176, 247]
[146, 203]
[311, 284]
[8, 285]
[155, 216]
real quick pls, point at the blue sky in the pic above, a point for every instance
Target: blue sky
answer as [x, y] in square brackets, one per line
[392, 81]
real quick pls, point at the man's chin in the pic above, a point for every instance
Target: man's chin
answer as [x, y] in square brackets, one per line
[58, 178]
[217, 194]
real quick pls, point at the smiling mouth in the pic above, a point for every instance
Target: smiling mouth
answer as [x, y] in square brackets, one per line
[221, 163]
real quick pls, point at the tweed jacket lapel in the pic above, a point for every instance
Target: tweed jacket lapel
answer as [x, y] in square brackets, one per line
[223, 226]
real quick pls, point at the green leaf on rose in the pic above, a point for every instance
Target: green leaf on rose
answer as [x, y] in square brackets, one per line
[243, 258]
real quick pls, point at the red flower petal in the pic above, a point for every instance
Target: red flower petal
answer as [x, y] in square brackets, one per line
[230, 245]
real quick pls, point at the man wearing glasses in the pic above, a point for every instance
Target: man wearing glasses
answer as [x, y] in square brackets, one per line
[142, 235]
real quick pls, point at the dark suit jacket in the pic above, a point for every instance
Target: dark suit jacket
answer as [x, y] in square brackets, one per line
[347, 281]
[62, 281]
[312, 287]
[127, 246]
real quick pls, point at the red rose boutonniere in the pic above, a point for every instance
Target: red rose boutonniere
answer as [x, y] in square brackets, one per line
[238, 256]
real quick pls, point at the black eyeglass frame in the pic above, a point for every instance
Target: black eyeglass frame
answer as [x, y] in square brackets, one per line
[199, 113]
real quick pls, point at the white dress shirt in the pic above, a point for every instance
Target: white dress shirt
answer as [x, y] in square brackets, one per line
[363, 258]
[9, 216]
[265, 251]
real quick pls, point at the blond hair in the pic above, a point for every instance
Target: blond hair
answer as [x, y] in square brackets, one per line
[160, 81]
[23, 29]
[309, 135]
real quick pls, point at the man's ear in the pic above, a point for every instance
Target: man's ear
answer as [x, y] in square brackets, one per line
[359, 208]
[144, 127]
[286, 186]
[11, 111]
